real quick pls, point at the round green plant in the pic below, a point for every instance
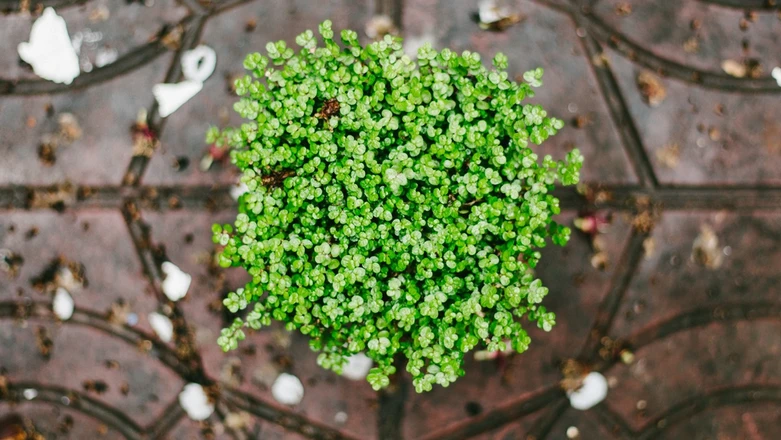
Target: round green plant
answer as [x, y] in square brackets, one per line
[394, 207]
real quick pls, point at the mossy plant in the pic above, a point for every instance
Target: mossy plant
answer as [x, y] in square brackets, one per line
[394, 207]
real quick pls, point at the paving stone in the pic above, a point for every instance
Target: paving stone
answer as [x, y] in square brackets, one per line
[83, 238]
[82, 358]
[707, 360]
[670, 281]
[702, 136]
[105, 113]
[57, 421]
[701, 335]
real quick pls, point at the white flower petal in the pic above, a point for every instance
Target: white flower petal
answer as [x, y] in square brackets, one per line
[176, 282]
[358, 366]
[593, 391]
[776, 73]
[49, 50]
[63, 304]
[287, 389]
[172, 96]
[238, 190]
[198, 64]
[162, 326]
[195, 402]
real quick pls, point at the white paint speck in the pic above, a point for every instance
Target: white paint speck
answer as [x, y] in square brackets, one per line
[105, 56]
[238, 190]
[63, 304]
[195, 402]
[198, 64]
[30, 393]
[162, 326]
[776, 73]
[172, 96]
[593, 391]
[49, 50]
[287, 389]
[340, 417]
[357, 367]
[491, 11]
[176, 282]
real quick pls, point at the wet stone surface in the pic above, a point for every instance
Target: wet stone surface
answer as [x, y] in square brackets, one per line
[677, 308]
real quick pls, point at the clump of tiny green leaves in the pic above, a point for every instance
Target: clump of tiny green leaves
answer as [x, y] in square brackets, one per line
[394, 207]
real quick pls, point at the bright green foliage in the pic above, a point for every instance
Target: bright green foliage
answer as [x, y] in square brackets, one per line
[394, 208]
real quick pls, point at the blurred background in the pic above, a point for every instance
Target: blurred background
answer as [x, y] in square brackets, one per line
[669, 287]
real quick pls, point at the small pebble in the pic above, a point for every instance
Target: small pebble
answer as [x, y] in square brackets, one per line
[573, 432]
[63, 304]
[287, 389]
[30, 393]
[50, 50]
[340, 417]
[176, 281]
[163, 327]
[357, 367]
[195, 402]
[592, 392]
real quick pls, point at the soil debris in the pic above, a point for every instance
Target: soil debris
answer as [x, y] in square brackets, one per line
[651, 88]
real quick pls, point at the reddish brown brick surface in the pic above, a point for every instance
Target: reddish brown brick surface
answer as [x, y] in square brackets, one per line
[689, 341]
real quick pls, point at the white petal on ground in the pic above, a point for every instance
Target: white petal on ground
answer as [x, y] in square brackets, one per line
[593, 391]
[63, 304]
[176, 282]
[172, 96]
[238, 190]
[357, 367]
[287, 389]
[198, 64]
[105, 56]
[776, 73]
[49, 50]
[491, 11]
[195, 402]
[162, 326]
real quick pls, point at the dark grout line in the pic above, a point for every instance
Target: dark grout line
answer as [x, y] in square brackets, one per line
[284, 418]
[619, 112]
[746, 5]
[699, 317]
[732, 396]
[164, 423]
[390, 411]
[543, 426]
[83, 403]
[139, 163]
[127, 63]
[612, 422]
[622, 277]
[499, 416]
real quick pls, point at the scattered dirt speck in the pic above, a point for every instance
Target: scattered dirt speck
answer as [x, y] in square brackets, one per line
[669, 155]
[651, 88]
